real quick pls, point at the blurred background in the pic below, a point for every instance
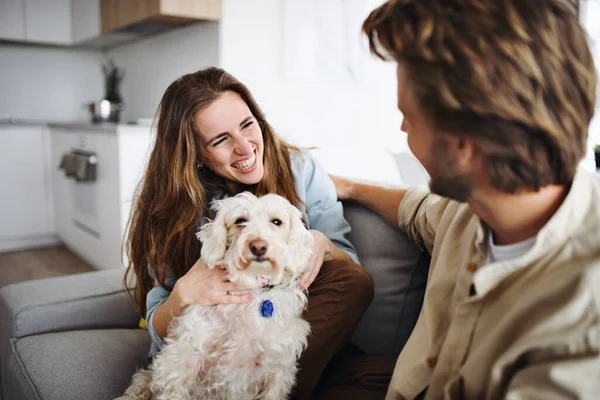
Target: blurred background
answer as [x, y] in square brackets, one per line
[80, 81]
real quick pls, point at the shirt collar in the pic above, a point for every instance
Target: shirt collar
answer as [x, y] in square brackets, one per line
[565, 220]
[569, 217]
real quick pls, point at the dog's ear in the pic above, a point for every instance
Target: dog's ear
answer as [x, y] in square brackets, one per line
[213, 236]
[300, 242]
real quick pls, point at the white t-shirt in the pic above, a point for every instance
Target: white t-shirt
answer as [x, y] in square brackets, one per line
[497, 253]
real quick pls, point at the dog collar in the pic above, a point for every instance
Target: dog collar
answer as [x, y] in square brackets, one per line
[266, 309]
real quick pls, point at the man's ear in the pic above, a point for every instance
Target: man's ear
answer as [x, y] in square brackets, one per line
[213, 236]
[463, 150]
[300, 242]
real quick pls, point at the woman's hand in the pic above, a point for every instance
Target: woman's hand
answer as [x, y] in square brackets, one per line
[320, 247]
[200, 285]
[343, 187]
[204, 286]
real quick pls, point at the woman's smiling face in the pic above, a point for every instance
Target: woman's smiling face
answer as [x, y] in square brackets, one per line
[232, 140]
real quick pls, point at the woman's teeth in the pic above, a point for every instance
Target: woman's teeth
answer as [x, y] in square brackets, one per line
[246, 163]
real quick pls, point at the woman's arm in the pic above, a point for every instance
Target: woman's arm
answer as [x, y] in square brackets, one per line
[325, 216]
[332, 252]
[323, 210]
[200, 285]
[384, 201]
[163, 315]
[323, 250]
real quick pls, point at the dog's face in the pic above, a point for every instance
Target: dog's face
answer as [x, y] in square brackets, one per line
[257, 238]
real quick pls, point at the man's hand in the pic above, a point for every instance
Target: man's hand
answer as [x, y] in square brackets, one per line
[343, 187]
[383, 200]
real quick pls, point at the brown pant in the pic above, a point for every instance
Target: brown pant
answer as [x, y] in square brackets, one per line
[337, 300]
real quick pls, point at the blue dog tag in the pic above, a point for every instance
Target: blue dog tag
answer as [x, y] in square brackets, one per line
[266, 309]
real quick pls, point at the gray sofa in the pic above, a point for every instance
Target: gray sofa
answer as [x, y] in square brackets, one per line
[76, 337]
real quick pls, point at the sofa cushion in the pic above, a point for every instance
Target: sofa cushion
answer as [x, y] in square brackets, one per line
[82, 301]
[399, 270]
[87, 364]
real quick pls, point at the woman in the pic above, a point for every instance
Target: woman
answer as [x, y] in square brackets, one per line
[213, 141]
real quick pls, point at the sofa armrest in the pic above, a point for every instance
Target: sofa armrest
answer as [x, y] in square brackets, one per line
[93, 300]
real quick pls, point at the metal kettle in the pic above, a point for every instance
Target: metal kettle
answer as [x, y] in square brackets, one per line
[104, 111]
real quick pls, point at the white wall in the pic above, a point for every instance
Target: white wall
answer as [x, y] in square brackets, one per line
[356, 116]
[591, 16]
[48, 83]
[152, 64]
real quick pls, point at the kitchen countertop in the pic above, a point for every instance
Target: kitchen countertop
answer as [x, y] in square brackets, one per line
[109, 127]
[22, 122]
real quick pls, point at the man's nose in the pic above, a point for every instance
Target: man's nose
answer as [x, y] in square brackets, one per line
[404, 126]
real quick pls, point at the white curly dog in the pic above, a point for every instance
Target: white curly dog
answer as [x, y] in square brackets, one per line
[239, 351]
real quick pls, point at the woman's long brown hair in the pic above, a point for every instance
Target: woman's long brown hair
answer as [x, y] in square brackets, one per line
[174, 193]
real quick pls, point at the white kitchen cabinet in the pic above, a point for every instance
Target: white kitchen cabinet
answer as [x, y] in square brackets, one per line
[12, 20]
[98, 23]
[85, 20]
[48, 21]
[26, 211]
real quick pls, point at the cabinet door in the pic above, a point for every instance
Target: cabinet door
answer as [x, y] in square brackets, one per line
[48, 21]
[25, 203]
[12, 17]
[85, 20]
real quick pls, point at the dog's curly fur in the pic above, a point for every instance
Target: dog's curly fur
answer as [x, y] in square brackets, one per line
[231, 351]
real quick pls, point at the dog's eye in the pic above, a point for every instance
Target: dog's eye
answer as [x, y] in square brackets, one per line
[240, 221]
[276, 221]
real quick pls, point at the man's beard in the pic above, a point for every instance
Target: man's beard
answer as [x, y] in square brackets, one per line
[446, 180]
[456, 187]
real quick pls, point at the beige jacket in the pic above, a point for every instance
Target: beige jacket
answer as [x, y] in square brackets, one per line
[531, 329]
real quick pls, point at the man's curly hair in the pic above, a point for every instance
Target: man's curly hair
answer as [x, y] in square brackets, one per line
[515, 76]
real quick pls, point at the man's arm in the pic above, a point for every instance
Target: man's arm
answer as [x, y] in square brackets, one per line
[384, 201]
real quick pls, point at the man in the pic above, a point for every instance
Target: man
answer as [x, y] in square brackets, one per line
[497, 96]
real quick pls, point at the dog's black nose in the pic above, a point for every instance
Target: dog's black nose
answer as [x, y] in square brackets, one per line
[258, 247]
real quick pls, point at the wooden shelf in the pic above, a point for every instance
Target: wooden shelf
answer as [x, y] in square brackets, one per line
[119, 14]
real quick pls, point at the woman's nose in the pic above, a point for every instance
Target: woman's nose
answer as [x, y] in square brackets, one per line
[243, 146]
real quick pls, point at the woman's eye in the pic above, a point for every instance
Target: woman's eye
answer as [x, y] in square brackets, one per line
[247, 124]
[218, 142]
[276, 221]
[240, 221]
